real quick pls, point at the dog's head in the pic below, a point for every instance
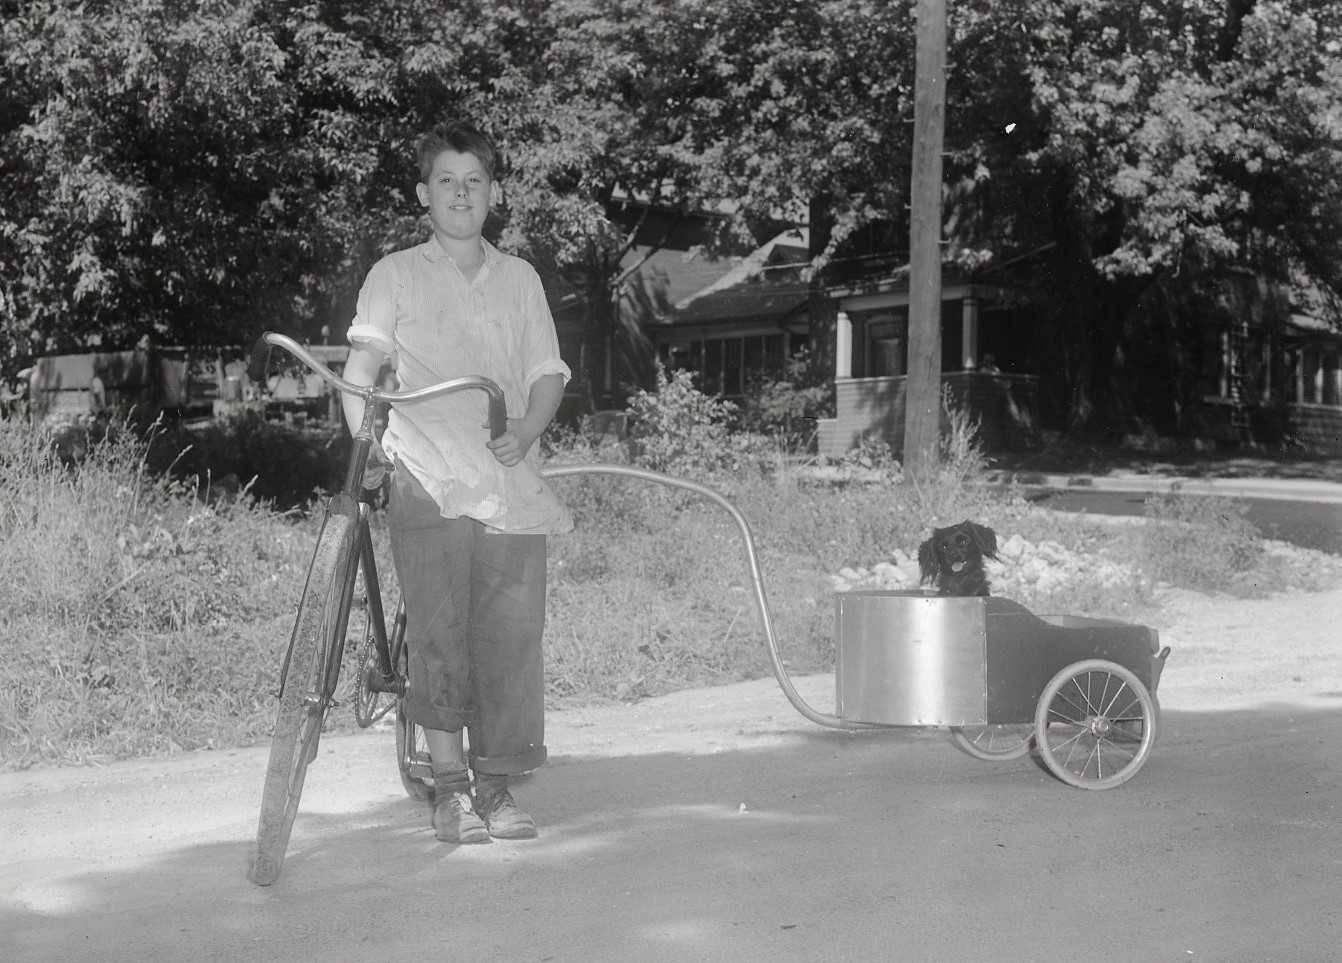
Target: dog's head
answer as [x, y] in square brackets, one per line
[955, 549]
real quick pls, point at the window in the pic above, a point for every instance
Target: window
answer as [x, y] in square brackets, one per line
[729, 365]
[711, 371]
[1311, 376]
[1330, 373]
[887, 346]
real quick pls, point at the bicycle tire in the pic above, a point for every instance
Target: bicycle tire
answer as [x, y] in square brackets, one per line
[316, 648]
[408, 739]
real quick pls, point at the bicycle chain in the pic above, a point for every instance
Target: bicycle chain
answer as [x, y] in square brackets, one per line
[367, 658]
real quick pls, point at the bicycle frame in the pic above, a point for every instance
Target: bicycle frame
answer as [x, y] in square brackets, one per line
[316, 649]
[352, 499]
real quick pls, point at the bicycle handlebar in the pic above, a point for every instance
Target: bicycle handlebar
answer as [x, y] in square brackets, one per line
[259, 363]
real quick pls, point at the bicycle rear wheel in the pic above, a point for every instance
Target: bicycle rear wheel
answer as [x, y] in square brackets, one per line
[313, 663]
[412, 753]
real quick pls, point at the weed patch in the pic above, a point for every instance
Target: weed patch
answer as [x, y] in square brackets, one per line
[1201, 542]
[146, 613]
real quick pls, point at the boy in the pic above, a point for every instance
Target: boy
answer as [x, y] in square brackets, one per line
[468, 515]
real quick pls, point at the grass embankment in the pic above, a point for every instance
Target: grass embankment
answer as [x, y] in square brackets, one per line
[143, 614]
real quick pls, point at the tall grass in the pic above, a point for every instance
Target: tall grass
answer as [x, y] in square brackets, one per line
[137, 616]
[144, 613]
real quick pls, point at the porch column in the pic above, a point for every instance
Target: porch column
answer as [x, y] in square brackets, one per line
[969, 333]
[843, 346]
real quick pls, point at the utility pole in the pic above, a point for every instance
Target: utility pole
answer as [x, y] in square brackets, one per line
[922, 399]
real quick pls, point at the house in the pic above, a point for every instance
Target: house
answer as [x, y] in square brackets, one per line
[755, 314]
[984, 369]
[1275, 385]
[743, 323]
[1258, 382]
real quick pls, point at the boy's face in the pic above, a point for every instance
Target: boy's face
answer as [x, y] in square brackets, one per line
[457, 195]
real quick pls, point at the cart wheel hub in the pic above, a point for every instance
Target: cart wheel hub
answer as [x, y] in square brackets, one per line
[1099, 725]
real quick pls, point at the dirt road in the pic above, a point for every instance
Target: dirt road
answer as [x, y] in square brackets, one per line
[721, 825]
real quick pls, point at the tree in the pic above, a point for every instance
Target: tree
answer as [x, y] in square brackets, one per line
[763, 114]
[194, 172]
[1168, 146]
[169, 183]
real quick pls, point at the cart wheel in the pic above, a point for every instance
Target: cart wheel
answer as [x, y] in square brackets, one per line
[1095, 724]
[994, 743]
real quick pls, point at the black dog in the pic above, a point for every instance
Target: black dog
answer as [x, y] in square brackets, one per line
[952, 559]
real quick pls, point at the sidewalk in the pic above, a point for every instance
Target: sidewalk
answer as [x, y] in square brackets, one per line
[1286, 489]
[1312, 479]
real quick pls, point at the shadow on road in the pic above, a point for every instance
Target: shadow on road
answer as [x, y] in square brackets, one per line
[823, 845]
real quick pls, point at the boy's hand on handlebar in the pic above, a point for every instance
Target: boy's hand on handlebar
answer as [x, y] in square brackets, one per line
[512, 446]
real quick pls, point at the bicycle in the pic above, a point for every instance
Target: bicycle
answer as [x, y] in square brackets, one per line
[310, 671]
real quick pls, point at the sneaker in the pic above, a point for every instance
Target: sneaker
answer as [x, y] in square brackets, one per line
[455, 819]
[501, 815]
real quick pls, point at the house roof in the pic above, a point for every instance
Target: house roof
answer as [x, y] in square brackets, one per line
[763, 298]
[768, 283]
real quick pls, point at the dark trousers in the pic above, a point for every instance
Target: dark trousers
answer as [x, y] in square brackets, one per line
[475, 612]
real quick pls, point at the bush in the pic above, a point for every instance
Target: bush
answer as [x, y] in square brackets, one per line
[1202, 542]
[277, 462]
[679, 430]
[286, 464]
[787, 407]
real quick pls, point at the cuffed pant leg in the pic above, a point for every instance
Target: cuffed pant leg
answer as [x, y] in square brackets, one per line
[432, 558]
[507, 622]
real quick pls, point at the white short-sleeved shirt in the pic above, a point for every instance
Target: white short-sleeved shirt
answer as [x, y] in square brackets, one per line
[417, 307]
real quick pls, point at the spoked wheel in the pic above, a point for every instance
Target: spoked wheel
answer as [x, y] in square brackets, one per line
[308, 680]
[1095, 724]
[376, 694]
[998, 743]
[412, 754]
[412, 758]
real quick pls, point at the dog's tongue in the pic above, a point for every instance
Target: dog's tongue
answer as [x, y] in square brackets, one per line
[957, 567]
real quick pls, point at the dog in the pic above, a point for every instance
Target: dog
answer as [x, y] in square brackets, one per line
[952, 559]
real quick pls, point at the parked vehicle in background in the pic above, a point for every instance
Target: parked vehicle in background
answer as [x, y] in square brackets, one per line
[180, 383]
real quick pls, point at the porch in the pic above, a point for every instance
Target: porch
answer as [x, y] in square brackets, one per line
[984, 368]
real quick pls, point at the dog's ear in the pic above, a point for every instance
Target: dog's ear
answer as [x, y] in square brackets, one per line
[984, 537]
[928, 562]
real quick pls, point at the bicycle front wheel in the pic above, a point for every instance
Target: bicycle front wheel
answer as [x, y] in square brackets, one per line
[311, 667]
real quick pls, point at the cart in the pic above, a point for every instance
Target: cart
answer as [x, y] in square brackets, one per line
[1078, 692]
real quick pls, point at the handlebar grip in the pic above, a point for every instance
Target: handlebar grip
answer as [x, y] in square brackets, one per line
[498, 418]
[259, 362]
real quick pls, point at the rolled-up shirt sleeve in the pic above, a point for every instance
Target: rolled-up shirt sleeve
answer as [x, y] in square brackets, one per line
[540, 341]
[374, 323]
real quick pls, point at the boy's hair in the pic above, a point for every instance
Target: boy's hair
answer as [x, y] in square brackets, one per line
[458, 136]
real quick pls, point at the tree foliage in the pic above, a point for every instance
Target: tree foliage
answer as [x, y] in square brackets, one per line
[195, 170]
[1167, 146]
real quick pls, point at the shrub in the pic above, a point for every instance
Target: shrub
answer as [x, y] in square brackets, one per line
[960, 460]
[1202, 542]
[786, 407]
[278, 462]
[679, 430]
[283, 463]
